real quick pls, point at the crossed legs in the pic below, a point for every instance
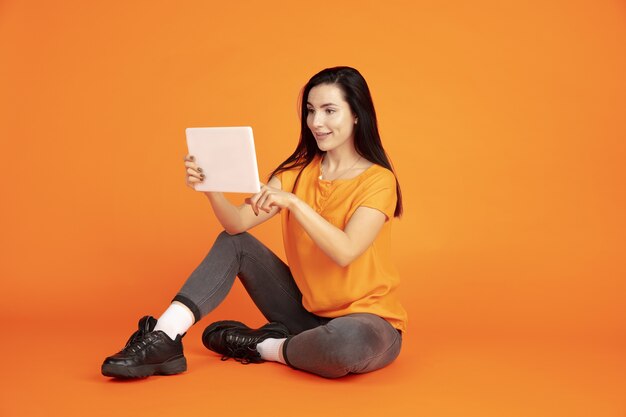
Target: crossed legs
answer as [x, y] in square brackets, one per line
[355, 343]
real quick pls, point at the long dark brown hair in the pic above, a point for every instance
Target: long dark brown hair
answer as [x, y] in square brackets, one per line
[366, 136]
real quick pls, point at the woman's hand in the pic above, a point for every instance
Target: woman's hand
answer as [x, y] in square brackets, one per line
[268, 198]
[194, 172]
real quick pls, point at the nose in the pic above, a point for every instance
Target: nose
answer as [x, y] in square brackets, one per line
[317, 119]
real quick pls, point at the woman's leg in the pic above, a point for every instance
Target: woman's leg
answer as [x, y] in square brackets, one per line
[355, 343]
[151, 350]
[266, 278]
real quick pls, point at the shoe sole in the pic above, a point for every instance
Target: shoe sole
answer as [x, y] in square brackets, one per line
[280, 330]
[173, 366]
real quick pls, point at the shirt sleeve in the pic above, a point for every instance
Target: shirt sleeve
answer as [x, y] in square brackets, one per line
[379, 192]
[287, 179]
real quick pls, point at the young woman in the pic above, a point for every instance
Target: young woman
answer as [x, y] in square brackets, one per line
[334, 310]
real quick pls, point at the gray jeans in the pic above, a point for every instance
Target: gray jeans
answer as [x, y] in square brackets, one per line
[355, 343]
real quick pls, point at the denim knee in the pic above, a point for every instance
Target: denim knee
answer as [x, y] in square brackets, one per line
[350, 346]
[224, 235]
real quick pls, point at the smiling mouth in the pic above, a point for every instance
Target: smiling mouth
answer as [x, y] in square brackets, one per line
[321, 135]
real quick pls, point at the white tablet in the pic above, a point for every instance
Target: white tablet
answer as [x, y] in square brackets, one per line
[227, 158]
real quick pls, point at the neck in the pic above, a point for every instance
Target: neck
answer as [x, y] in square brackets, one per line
[338, 159]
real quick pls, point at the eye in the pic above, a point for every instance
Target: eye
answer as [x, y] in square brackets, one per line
[310, 110]
[330, 111]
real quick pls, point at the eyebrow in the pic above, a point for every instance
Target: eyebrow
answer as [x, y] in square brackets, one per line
[323, 105]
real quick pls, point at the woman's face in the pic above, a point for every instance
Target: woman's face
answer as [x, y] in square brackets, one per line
[329, 117]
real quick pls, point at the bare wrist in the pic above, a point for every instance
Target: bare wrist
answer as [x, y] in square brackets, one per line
[292, 202]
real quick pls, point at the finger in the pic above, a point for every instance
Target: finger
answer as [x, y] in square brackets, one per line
[194, 180]
[269, 202]
[193, 173]
[265, 192]
[262, 201]
[189, 157]
[257, 206]
[267, 205]
[193, 165]
[253, 200]
[200, 178]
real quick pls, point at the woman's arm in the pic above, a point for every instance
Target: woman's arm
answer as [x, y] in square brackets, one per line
[234, 219]
[342, 246]
[238, 219]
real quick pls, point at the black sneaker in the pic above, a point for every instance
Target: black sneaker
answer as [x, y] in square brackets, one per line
[234, 339]
[146, 353]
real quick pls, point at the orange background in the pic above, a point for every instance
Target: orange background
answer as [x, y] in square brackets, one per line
[506, 124]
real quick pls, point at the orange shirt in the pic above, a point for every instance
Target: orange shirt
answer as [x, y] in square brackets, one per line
[369, 283]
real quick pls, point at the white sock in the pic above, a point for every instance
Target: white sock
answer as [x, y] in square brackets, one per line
[177, 319]
[272, 350]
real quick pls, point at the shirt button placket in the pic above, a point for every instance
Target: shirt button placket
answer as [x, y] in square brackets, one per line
[324, 193]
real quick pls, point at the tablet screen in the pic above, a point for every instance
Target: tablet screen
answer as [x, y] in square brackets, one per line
[227, 158]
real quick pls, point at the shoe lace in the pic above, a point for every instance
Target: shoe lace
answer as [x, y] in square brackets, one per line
[242, 349]
[144, 328]
[138, 343]
[135, 337]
